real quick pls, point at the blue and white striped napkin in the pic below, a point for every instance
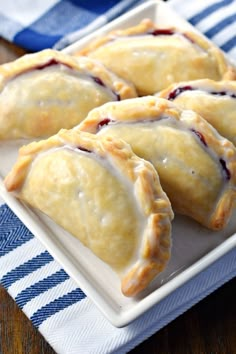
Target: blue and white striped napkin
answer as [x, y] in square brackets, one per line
[42, 24]
[48, 296]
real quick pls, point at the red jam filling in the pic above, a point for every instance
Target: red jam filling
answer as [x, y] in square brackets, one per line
[101, 83]
[83, 149]
[200, 136]
[104, 122]
[169, 32]
[175, 93]
[226, 171]
[162, 31]
[51, 62]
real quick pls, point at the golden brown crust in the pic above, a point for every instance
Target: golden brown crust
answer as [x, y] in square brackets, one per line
[155, 245]
[32, 61]
[44, 92]
[144, 26]
[153, 108]
[218, 69]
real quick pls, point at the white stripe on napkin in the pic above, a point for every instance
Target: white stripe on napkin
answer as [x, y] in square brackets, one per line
[100, 21]
[38, 275]
[212, 19]
[225, 34]
[21, 254]
[14, 9]
[187, 9]
[50, 295]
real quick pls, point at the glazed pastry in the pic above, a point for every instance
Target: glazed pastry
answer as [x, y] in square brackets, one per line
[153, 58]
[196, 166]
[214, 101]
[46, 91]
[121, 211]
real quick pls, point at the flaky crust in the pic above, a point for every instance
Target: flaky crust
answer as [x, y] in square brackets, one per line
[35, 102]
[155, 245]
[153, 108]
[222, 68]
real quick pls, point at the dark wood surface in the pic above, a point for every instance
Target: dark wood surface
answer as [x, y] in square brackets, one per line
[209, 327]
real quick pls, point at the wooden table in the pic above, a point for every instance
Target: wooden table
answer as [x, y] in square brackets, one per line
[209, 327]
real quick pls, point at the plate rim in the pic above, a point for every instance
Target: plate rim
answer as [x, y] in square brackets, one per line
[124, 317]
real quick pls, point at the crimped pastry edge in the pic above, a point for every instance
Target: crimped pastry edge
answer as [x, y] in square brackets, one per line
[151, 108]
[226, 71]
[156, 239]
[80, 64]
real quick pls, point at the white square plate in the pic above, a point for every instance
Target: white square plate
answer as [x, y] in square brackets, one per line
[194, 248]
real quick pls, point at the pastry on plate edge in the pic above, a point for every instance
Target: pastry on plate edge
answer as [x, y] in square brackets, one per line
[101, 192]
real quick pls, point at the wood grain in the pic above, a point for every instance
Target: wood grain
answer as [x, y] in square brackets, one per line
[9, 51]
[209, 327]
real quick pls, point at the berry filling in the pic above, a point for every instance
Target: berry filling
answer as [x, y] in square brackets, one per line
[226, 171]
[51, 62]
[200, 136]
[175, 93]
[101, 83]
[169, 32]
[103, 122]
[98, 81]
[83, 149]
[162, 31]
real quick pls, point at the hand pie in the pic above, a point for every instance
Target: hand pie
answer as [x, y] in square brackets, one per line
[196, 166]
[46, 91]
[153, 58]
[101, 192]
[214, 101]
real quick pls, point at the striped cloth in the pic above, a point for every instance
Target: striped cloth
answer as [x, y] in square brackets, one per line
[50, 298]
[43, 24]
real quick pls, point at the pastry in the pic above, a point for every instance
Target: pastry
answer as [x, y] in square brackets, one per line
[46, 91]
[214, 101]
[196, 166]
[153, 58]
[101, 192]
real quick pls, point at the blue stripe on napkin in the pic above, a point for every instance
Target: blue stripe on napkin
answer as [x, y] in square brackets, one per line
[55, 23]
[26, 268]
[40, 287]
[220, 26]
[98, 7]
[12, 234]
[230, 44]
[56, 306]
[35, 41]
[208, 11]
